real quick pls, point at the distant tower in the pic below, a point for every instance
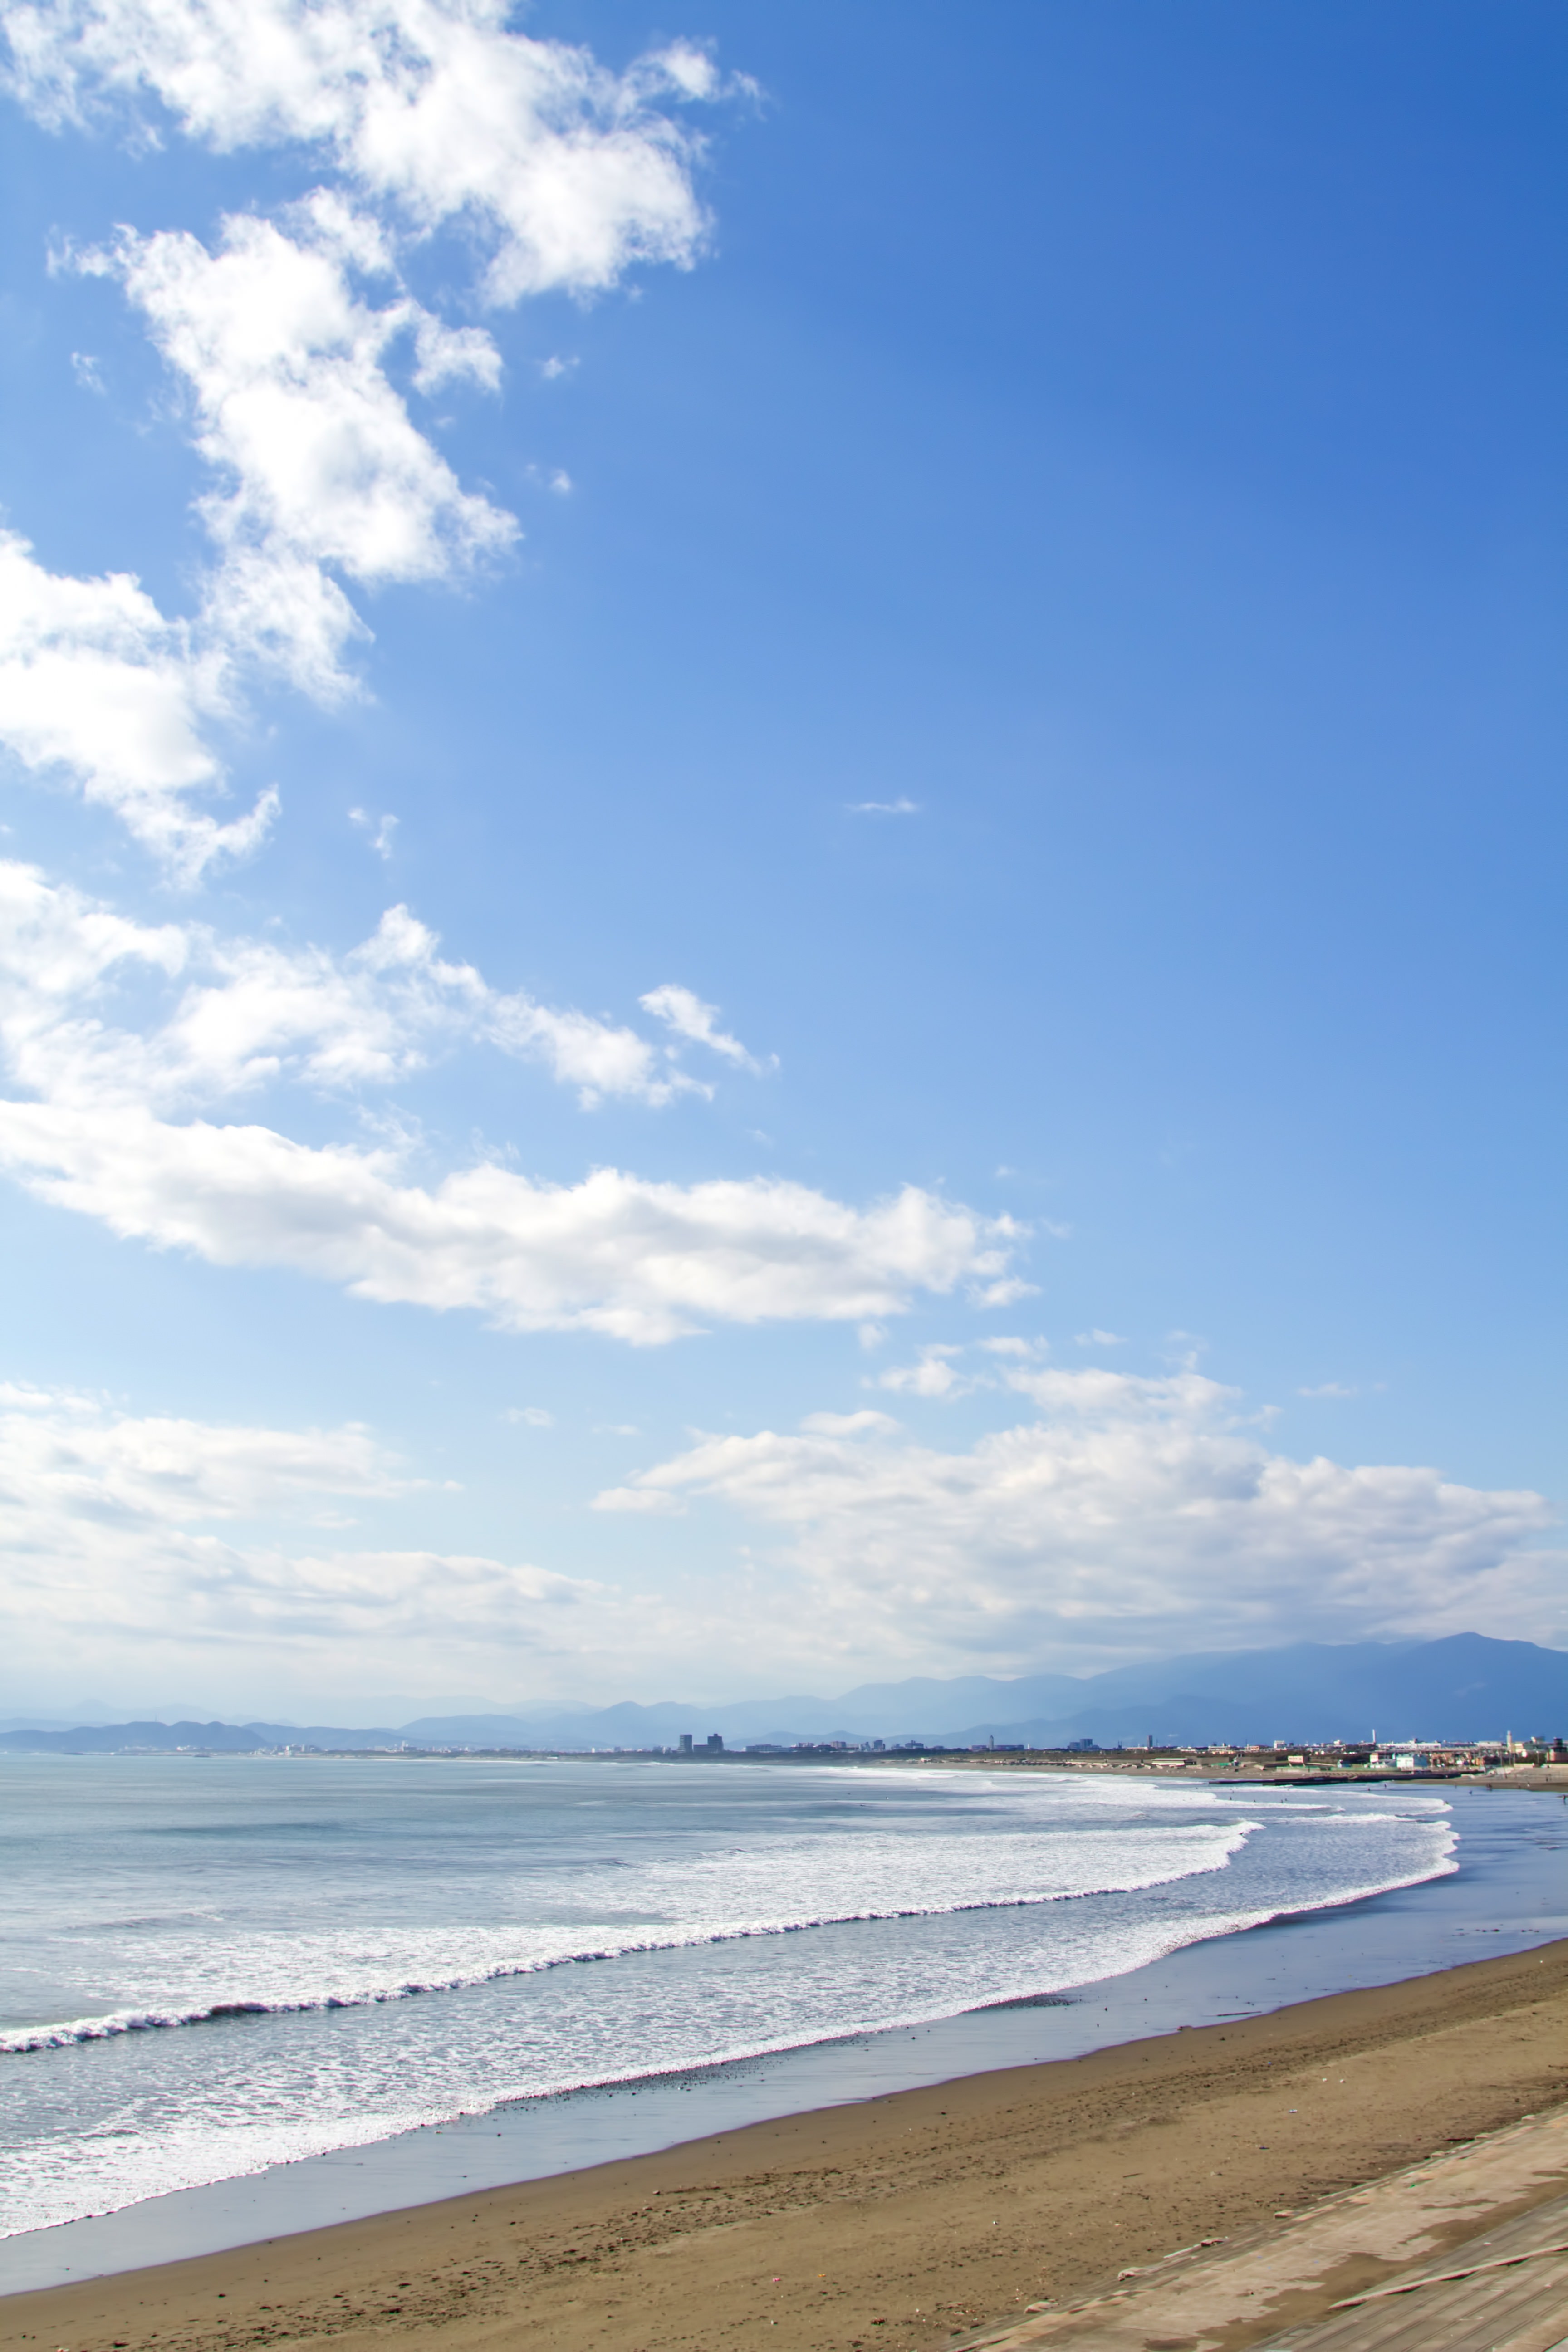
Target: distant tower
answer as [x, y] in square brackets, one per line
[715, 1744]
[686, 1743]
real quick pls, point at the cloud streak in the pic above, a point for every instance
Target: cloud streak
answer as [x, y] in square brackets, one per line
[109, 1133]
[617, 1253]
[689, 1018]
[250, 1013]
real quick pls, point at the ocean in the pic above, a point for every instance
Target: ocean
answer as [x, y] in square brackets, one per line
[209, 1966]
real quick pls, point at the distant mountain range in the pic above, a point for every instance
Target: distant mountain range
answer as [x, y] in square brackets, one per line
[1467, 1686]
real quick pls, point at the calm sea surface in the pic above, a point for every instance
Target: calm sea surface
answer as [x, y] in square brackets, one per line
[211, 1966]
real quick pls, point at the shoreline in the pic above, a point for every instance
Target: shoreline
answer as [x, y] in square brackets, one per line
[926, 2214]
[1507, 1896]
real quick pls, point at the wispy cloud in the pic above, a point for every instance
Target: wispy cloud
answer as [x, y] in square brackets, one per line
[129, 1535]
[884, 808]
[934, 1373]
[380, 829]
[680, 1009]
[247, 1014]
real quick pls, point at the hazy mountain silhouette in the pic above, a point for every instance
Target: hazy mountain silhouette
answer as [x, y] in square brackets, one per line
[1465, 1686]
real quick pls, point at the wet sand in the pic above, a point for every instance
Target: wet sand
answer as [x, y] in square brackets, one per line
[902, 2223]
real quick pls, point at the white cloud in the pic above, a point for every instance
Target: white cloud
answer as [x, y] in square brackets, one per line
[933, 1374]
[380, 832]
[321, 471]
[1329, 1389]
[250, 1013]
[432, 110]
[645, 1502]
[293, 405]
[321, 467]
[87, 371]
[95, 684]
[1133, 1513]
[615, 1252]
[884, 808]
[1098, 1338]
[75, 1454]
[127, 1536]
[1007, 1291]
[638, 1260]
[567, 173]
[534, 1417]
[247, 1010]
[680, 1009]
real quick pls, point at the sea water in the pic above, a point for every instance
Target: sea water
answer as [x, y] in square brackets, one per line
[210, 1965]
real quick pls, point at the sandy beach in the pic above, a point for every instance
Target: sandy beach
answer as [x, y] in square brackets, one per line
[907, 2221]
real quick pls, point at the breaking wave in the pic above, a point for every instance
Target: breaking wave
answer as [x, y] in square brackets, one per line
[1028, 1869]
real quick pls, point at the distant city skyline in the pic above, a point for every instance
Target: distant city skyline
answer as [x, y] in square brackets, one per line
[781, 804]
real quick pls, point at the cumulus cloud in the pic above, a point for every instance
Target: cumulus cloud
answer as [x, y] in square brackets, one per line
[566, 173]
[321, 465]
[97, 686]
[430, 112]
[109, 1134]
[1129, 1513]
[322, 472]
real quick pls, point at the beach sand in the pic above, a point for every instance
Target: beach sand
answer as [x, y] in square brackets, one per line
[905, 2223]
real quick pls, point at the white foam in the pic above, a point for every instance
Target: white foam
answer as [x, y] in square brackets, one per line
[815, 1917]
[716, 1899]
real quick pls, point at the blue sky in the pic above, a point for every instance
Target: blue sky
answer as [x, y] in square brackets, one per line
[944, 626]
